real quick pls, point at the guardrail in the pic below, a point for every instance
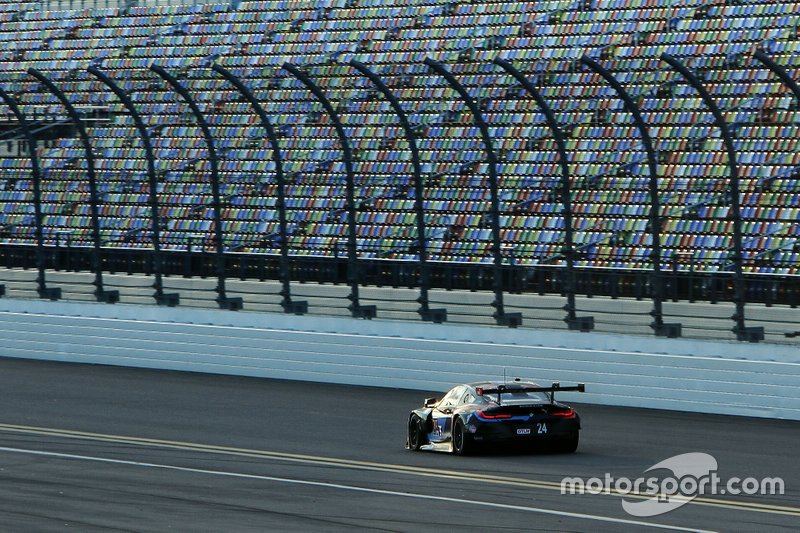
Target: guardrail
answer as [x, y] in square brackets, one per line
[677, 374]
[615, 300]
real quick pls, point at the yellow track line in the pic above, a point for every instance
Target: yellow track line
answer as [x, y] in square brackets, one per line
[374, 466]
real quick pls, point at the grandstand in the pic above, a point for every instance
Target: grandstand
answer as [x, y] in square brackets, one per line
[743, 245]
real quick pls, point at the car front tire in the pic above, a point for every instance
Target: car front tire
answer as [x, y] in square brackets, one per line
[414, 433]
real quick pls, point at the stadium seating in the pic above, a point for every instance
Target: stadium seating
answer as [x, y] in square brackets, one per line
[609, 175]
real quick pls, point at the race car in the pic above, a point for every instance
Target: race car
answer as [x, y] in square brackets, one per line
[494, 414]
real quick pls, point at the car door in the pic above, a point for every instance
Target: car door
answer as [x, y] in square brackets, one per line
[442, 414]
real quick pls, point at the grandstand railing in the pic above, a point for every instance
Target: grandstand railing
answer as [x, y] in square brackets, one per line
[682, 282]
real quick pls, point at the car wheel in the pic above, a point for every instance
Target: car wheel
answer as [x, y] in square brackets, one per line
[570, 444]
[415, 438]
[461, 443]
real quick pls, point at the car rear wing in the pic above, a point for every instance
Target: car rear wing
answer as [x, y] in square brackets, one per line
[503, 389]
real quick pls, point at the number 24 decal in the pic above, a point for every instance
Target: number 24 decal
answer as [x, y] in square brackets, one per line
[541, 428]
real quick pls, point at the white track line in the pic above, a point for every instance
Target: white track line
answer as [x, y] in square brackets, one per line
[539, 510]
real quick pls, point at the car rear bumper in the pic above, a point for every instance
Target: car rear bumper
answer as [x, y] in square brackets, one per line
[512, 431]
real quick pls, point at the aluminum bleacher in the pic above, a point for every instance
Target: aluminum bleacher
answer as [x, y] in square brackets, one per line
[609, 177]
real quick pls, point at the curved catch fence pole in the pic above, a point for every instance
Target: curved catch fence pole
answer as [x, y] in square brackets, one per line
[500, 315]
[780, 72]
[353, 274]
[224, 302]
[100, 293]
[172, 299]
[51, 293]
[584, 323]
[752, 334]
[658, 326]
[289, 306]
[428, 314]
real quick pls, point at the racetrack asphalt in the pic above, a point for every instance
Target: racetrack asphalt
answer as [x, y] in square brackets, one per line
[97, 448]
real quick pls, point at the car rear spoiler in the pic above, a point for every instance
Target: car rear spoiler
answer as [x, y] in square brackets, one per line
[502, 389]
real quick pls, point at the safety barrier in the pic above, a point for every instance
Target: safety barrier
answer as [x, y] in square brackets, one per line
[730, 378]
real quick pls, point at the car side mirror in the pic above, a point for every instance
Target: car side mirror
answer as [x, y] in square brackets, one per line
[429, 402]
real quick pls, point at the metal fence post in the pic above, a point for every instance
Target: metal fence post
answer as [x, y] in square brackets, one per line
[500, 315]
[223, 300]
[51, 293]
[100, 293]
[752, 334]
[584, 323]
[659, 327]
[289, 306]
[353, 273]
[160, 297]
[432, 315]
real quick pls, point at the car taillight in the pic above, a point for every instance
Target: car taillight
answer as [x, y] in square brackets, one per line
[492, 416]
[564, 414]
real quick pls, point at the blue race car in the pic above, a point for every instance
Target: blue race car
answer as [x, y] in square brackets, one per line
[495, 414]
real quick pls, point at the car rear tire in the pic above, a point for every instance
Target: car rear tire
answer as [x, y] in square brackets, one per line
[414, 436]
[460, 440]
[569, 444]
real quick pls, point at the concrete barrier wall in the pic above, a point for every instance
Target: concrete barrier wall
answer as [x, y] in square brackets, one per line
[715, 377]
